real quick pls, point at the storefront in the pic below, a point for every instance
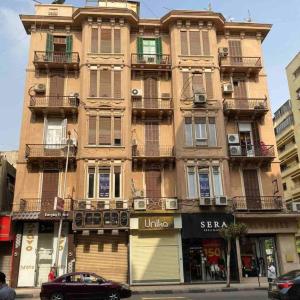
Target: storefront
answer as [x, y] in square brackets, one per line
[204, 251]
[5, 246]
[155, 250]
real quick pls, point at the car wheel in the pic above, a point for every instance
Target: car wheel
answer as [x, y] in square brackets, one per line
[113, 296]
[57, 296]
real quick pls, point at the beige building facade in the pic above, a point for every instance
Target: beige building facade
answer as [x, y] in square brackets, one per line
[171, 139]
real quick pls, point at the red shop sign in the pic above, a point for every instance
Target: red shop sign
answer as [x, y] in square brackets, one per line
[5, 226]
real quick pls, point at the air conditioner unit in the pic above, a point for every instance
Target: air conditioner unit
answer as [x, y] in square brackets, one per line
[74, 95]
[233, 138]
[171, 204]
[235, 150]
[40, 88]
[82, 205]
[221, 200]
[138, 194]
[199, 98]
[140, 204]
[88, 204]
[296, 206]
[227, 88]
[136, 92]
[205, 201]
[122, 204]
[151, 59]
[103, 205]
[223, 51]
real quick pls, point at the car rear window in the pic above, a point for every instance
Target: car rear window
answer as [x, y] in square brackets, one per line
[290, 275]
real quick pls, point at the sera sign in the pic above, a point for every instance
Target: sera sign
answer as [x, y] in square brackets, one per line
[156, 223]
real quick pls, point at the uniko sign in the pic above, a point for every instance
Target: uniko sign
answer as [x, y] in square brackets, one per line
[156, 223]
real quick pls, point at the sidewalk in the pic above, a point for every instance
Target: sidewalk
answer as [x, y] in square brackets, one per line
[168, 289]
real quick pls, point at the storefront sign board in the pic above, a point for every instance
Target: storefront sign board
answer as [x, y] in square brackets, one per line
[5, 226]
[156, 223]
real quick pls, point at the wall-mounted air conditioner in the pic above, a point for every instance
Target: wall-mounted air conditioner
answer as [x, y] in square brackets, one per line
[140, 204]
[235, 150]
[103, 205]
[296, 206]
[121, 204]
[227, 88]
[221, 200]
[199, 98]
[233, 138]
[136, 92]
[171, 204]
[40, 88]
[223, 51]
[205, 201]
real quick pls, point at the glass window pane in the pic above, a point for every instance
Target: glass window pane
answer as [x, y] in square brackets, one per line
[104, 183]
[91, 182]
[117, 175]
[204, 183]
[200, 131]
[218, 190]
[192, 192]
[188, 132]
[212, 132]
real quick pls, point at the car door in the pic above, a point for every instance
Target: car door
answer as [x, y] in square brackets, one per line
[294, 292]
[73, 287]
[92, 289]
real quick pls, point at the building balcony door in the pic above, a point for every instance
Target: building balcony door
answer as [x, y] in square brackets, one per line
[252, 191]
[151, 92]
[153, 188]
[56, 90]
[152, 139]
[49, 189]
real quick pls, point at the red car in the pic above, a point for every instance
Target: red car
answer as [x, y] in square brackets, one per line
[83, 285]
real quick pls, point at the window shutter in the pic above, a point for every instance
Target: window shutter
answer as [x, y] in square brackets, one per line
[140, 46]
[117, 131]
[93, 83]
[184, 43]
[235, 48]
[69, 47]
[209, 85]
[117, 84]
[212, 138]
[105, 83]
[195, 46]
[94, 40]
[117, 40]
[188, 131]
[197, 82]
[158, 45]
[92, 130]
[49, 43]
[105, 40]
[64, 131]
[105, 130]
[186, 85]
[206, 44]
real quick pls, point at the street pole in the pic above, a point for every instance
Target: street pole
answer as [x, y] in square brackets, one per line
[63, 197]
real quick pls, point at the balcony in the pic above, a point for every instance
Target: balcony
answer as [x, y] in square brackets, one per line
[292, 170]
[151, 62]
[260, 203]
[154, 204]
[251, 153]
[153, 152]
[56, 60]
[49, 151]
[288, 150]
[247, 107]
[240, 64]
[152, 107]
[54, 104]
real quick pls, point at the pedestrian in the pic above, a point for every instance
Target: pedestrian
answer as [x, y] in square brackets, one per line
[6, 293]
[51, 275]
[271, 272]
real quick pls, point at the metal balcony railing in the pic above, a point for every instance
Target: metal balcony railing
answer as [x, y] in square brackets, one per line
[150, 59]
[259, 203]
[54, 101]
[151, 103]
[49, 150]
[155, 203]
[249, 151]
[152, 150]
[245, 104]
[241, 61]
[56, 57]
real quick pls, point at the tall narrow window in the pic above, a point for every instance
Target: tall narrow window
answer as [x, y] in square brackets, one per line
[93, 83]
[184, 43]
[117, 84]
[104, 130]
[117, 131]
[188, 132]
[105, 83]
[91, 182]
[117, 182]
[200, 131]
[212, 134]
[117, 40]
[204, 182]
[209, 85]
[195, 45]
[186, 85]
[197, 83]
[94, 40]
[104, 182]
[92, 130]
[217, 181]
[105, 40]
[206, 44]
[192, 192]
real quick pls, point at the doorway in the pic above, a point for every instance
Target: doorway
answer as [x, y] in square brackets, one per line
[252, 191]
[152, 138]
[56, 90]
[49, 189]
[151, 92]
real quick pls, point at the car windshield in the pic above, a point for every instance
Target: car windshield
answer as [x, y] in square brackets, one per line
[290, 275]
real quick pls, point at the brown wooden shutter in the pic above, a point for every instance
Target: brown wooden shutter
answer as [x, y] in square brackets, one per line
[117, 131]
[49, 189]
[117, 84]
[206, 44]
[255, 134]
[195, 46]
[152, 138]
[235, 48]
[117, 40]
[94, 42]
[240, 89]
[105, 83]
[105, 130]
[56, 91]
[93, 83]
[184, 43]
[209, 85]
[153, 183]
[105, 40]
[251, 186]
[197, 83]
[186, 85]
[92, 130]
[151, 92]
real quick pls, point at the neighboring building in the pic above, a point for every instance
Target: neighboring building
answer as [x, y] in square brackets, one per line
[7, 186]
[11, 156]
[172, 139]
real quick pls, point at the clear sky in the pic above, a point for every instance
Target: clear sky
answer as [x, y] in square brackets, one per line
[280, 47]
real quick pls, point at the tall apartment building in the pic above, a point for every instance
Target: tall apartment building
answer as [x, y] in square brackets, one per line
[172, 139]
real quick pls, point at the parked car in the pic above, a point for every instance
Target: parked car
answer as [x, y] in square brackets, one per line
[83, 285]
[286, 287]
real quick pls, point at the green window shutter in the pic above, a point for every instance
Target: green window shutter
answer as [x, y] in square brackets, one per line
[49, 47]
[158, 45]
[139, 49]
[69, 47]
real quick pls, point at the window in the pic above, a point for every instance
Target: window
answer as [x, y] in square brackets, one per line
[194, 42]
[108, 132]
[72, 278]
[284, 186]
[105, 83]
[217, 181]
[200, 131]
[88, 278]
[110, 40]
[284, 124]
[192, 183]
[204, 183]
[106, 180]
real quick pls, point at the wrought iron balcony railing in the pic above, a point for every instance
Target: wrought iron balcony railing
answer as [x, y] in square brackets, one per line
[251, 151]
[152, 103]
[152, 150]
[245, 104]
[259, 203]
[54, 101]
[145, 60]
[241, 61]
[49, 150]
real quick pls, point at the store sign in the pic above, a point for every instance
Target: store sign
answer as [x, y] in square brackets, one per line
[53, 215]
[28, 255]
[156, 223]
[5, 226]
[204, 225]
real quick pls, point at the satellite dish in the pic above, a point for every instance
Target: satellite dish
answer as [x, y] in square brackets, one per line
[58, 2]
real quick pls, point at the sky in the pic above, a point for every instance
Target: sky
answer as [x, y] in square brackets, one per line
[280, 46]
